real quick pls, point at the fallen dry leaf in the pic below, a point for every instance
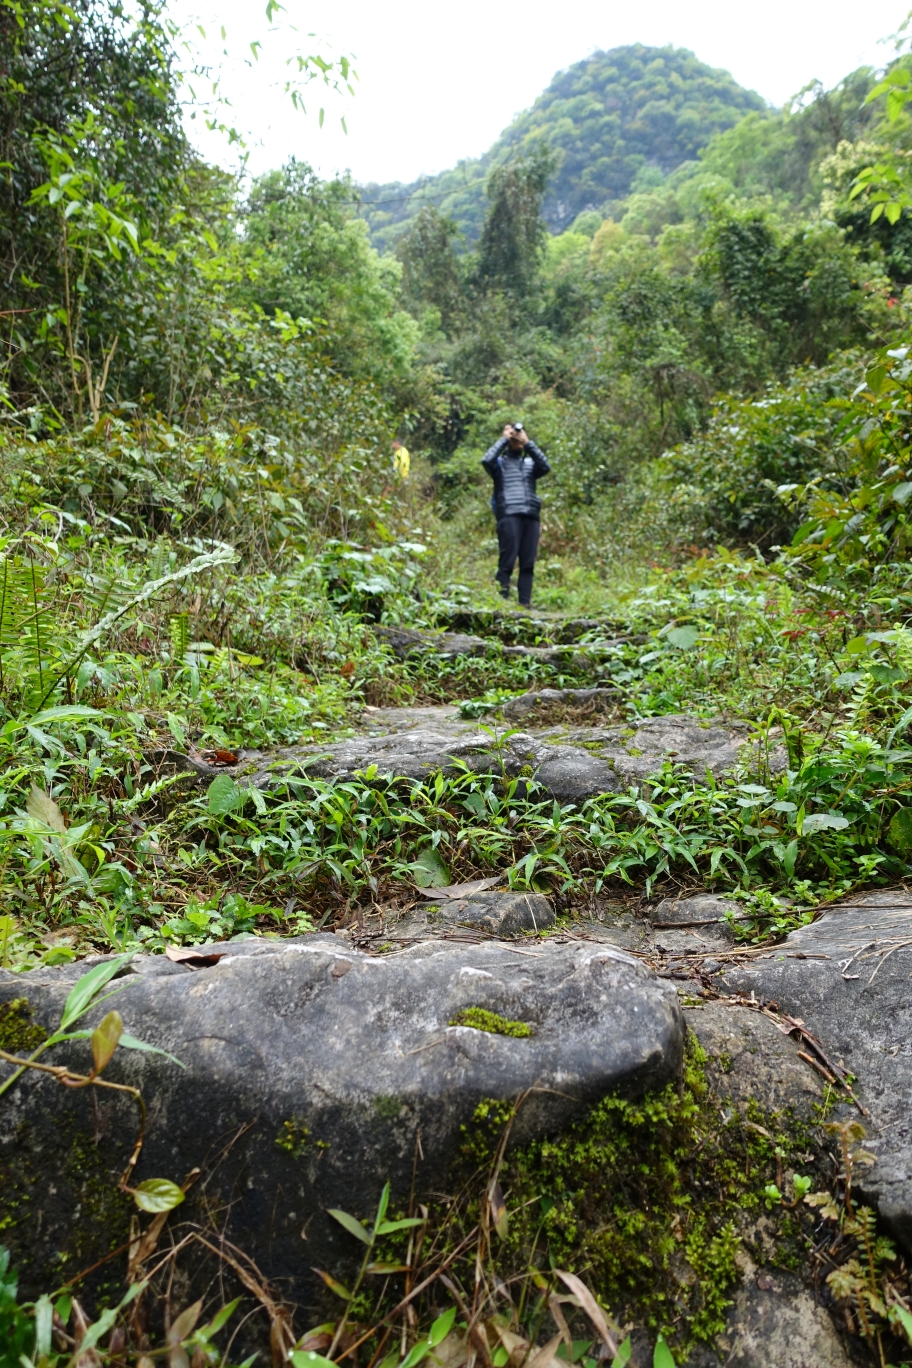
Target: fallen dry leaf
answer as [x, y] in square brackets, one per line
[591, 1308]
[195, 957]
[544, 1356]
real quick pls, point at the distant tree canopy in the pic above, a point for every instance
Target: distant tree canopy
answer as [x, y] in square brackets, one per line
[779, 152]
[430, 269]
[513, 236]
[608, 118]
[620, 111]
[307, 254]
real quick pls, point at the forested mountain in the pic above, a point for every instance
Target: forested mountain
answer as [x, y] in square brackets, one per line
[612, 119]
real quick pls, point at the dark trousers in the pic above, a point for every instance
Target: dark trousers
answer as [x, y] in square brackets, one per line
[517, 537]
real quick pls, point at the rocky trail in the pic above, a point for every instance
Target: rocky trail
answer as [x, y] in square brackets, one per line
[572, 762]
[354, 1046]
[353, 1057]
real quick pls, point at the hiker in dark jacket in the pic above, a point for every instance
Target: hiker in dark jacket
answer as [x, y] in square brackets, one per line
[514, 463]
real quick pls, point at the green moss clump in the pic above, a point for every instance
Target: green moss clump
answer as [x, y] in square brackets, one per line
[294, 1138]
[61, 1206]
[19, 1034]
[649, 1199]
[480, 1019]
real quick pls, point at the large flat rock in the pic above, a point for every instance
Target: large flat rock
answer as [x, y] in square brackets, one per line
[640, 748]
[847, 976]
[410, 641]
[528, 707]
[572, 765]
[776, 1322]
[315, 1073]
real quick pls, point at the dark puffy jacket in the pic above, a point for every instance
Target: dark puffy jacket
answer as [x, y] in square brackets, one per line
[514, 476]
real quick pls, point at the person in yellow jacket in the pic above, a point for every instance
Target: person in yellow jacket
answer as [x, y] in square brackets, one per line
[401, 459]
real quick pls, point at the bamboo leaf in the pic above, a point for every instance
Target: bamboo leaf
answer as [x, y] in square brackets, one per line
[206, 1332]
[350, 1224]
[662, 1358]
[42, 809]
[387, 1227]
[591, 1308]
[441, 1327]
[129, 1042]
[183, 1324]
[83, 994]
[306, 1358]
[334, 1286]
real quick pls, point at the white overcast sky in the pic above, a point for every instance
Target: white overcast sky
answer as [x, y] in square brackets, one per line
[439, 82]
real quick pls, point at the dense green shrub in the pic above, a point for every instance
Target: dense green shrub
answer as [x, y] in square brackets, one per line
[722, 485]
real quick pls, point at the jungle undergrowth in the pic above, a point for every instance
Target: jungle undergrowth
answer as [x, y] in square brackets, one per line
[278, 648]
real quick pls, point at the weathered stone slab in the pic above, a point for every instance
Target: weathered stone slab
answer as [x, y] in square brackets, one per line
[568, 773]
[750, 1061]
[572, 764]
[493, 914]
[639, 749]
[406, 641]
[507, 624]
[775, 1322]
[520, 709]
[692, 926]
[611, 759]
[403, 641]
[315, 1073]
[847, 975]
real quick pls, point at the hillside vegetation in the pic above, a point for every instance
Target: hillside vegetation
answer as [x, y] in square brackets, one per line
[204, 523]
[616, 120]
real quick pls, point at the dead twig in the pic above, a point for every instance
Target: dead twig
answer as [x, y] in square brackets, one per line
[69, 1079]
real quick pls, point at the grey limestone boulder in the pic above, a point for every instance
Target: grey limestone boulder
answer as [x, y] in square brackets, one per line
[571, 764]
[750, 1061]
[403, 641]
[775, 1322]
[502, 915]
[693, 926]
[637, 750]
[312, 1074]
[847, 976]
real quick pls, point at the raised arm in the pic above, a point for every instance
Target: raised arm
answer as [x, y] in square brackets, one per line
[538, 456]
[489, 459]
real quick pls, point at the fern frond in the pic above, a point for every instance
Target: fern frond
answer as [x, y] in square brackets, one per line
[105, 592]
[860, 701]
[180, 637]
[19, 586]
[224, 556]
[161, 560]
